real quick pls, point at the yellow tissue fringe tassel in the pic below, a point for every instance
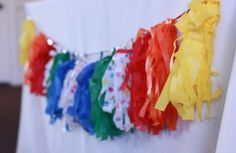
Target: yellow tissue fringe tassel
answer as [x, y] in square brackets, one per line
[27, 35]
[189, 83]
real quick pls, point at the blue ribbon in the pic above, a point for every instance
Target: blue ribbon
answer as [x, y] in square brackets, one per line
[82, 105]
[54, 90]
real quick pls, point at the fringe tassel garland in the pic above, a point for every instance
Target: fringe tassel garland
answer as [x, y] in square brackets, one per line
[147, 87]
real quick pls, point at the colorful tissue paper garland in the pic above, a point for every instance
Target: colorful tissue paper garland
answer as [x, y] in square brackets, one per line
[189, 83]
[160, 79]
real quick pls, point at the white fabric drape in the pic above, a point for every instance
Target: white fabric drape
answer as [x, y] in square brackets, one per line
[226, 141]
[90, 26]
[10, 18]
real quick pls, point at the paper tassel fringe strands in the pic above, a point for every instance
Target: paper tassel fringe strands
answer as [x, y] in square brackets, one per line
[164, 74]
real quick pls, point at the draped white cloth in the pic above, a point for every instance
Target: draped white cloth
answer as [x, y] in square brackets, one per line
[10, 70]
[226, 141]
[90, 26]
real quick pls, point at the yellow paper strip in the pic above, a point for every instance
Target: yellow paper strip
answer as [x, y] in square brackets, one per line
[189, 83]
[27, 35]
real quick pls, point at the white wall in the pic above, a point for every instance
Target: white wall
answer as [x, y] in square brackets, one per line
[11, 17]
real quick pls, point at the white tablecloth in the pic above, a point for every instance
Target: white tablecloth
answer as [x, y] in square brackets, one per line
[226, 141]
[89, 26]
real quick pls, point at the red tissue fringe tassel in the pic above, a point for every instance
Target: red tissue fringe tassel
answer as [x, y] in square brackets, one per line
[159, 55]
[135, 79]
[38, 58]
[147, 72]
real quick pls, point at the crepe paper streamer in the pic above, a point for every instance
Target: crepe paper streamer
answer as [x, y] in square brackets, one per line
[103, 122]
[136, 75]
[48, 67]
[158, 60]
[38, 58]
[81, 109]
[117, 100]
[189, 83]
[27, 35]
[68, 92]
[58, 59]
[54, 91]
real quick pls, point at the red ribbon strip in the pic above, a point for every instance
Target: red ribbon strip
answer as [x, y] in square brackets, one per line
[38, 58]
